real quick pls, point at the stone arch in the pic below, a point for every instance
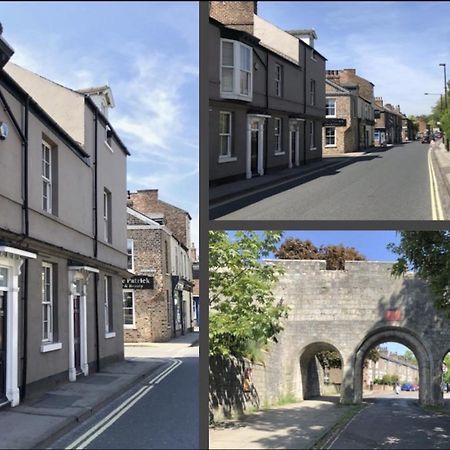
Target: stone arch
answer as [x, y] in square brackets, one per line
[403, 336]
[310, 370]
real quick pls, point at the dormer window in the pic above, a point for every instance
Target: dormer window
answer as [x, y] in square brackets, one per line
[236, 70]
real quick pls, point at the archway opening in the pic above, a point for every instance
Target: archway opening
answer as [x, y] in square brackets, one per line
[390, 371]
[445, 379]
[321, 371]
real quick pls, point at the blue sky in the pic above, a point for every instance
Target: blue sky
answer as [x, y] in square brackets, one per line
[148, 53]
[396, 45]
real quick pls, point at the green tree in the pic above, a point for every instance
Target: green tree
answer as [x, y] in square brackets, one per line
[332, 359]
[427, 253]
[409, 355]
[446, 375]
[244, 315]
[334, 255]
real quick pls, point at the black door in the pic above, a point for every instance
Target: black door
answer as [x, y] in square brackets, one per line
[254, 149]
[76, 332]
[2, 344]
[293, 146]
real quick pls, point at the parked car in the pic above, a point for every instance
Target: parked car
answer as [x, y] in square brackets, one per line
[425, 140]
[407, 387]
[437, 135]
[416, 387]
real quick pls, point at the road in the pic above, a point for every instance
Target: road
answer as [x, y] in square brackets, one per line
[152, 415]
[387, 184]
[392, 421]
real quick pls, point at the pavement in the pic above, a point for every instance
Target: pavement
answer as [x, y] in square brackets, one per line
[38, 421]
[294, 426]
[441, 162]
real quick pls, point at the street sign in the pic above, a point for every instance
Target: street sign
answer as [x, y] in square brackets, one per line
[138, 282]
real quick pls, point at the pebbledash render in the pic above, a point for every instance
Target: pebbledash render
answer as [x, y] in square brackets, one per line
[62, 232]
[266, 94]
[158, 298]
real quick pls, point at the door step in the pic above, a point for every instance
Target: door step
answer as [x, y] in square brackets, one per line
[4, 402]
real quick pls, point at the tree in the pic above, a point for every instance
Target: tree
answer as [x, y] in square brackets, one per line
[446, 375]
[332, 359]
[244, 314]
[409, 356]
[427, 253]
[334, 255]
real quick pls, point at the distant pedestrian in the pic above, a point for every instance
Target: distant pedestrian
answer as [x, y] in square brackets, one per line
[397, 388]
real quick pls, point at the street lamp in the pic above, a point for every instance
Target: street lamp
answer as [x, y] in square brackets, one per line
[442, 104]
[445, 83]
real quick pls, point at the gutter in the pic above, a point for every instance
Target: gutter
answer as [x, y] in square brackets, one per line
[95, 211]
[304, 107]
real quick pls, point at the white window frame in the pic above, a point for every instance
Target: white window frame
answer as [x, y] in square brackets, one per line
[107, 280]
[312, 136]
[326, 107]
[132, 325]
[130, 254]
[313, 92]
[108, 137]
[236, 93]
[278, 137]
[278, 80]
[229, 156]
[47, 268]
[329, 136]
[106, 215]
[46, 180]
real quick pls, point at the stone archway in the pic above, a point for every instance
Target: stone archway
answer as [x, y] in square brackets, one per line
[410, 340]
[311, 374]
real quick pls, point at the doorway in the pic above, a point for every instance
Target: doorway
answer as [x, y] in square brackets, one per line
[77, 331]
[3, 311]
[294, 143]
[255, 146]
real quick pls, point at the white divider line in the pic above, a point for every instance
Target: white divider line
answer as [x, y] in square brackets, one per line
[436, 206]
[95, 431]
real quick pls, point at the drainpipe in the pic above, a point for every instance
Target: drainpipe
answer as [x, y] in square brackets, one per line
[304, 107]
[96, 278]
[25, 272]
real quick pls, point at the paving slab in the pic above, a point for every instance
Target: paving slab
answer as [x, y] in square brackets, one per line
[294, 426]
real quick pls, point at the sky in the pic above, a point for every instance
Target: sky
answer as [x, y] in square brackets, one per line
[396, 45]
[147, 52]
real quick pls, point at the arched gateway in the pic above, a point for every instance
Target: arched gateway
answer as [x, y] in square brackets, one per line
[351, 311]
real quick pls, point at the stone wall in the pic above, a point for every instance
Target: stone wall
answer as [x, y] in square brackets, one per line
[237, 15]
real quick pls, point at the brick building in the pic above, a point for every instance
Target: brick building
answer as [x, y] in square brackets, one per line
[388, 123]
[349, 119]
[157, 299]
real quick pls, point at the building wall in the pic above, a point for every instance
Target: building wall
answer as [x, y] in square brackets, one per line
[237, 15]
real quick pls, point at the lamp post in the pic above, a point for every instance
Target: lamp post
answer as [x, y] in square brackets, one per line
[446, 102]
[442, 104]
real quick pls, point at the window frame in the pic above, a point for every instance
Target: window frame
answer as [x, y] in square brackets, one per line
[108, 137]
[48, 305]
[312, 135]
[278, 80]
[313, 92]
[130, 254]
[237, 69]
[278, 137]
[326, 107]
[46, 181]
[327, 136]
[107, 222]
[108, 306]
[229, 156]
[133, 310]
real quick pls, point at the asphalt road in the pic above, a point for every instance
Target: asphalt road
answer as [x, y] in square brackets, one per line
[387, 184]
[166, 417]
[397, 422]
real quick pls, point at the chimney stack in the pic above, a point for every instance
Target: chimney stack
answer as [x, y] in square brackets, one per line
[237, 15]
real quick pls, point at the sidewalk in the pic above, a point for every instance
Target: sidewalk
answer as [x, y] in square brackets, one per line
[37, 422]
[295, 426]
[441, 160]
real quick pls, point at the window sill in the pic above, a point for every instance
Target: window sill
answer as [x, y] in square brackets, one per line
[279, 153]
[331, 117]
[110, 335]
[234, 96]
[313, 148]
[109, 147]
[226, 159]
[330, 146]
[50, 347]
[129, 327]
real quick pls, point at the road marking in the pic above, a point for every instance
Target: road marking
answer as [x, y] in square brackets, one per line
[436, 205]
[95, 431]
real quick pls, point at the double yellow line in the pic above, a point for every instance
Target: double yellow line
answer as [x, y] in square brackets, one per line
[436, 206]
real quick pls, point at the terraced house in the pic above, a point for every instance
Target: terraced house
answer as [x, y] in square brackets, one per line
[62, 232]
[266, 94]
